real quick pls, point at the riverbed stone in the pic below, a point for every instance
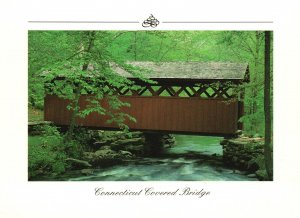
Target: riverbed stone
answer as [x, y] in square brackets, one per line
[87, 171]
[106, 157]
[106, 153]
[244, 153]
[113, 147]
[126, 154]
[137, 143]
[120, 144]
[78, 164]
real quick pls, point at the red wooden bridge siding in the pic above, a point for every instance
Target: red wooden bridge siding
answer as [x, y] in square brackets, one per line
[172, 114]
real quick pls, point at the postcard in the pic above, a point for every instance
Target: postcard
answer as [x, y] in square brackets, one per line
[116, 109]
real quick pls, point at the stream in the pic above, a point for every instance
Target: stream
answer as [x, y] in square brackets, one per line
[192, 158]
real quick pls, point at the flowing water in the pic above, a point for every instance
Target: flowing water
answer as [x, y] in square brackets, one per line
[192, 158]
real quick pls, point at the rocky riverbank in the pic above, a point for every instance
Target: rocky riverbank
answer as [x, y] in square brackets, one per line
[137, 156]
[114, 147]
[246, 154]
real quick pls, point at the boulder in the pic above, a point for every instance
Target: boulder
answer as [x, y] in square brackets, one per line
[168, 140]
[126, 154]
[105, 153]
[106, 157]
[87, 171]
[114, 135]
[133, 141]
[244, 153]
[78, 164]
[131, 145]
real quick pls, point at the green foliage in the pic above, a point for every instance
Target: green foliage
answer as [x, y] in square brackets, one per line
[84, 65]
[46, 153]
[35, 114]
[81, 142]
[248, 46]
[87, 66]
[46, 48]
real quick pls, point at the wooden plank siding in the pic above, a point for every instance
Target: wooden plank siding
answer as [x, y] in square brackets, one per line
[156, 113]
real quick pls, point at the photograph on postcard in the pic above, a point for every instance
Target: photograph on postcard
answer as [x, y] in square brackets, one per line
[150, 105]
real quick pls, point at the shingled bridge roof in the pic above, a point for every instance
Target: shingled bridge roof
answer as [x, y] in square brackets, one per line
[189, 70]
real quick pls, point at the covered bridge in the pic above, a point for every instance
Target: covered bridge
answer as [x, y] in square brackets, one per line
[189, 97]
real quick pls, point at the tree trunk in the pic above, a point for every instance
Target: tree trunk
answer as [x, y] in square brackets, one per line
[77, 91]
[74, 114]
[268, 149]
[256, 55]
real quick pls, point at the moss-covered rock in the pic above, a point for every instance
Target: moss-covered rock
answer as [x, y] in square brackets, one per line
[78, 164]
[245, 154]
[106, 157]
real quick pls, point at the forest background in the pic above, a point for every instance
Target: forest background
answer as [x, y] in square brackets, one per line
[62, 50]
